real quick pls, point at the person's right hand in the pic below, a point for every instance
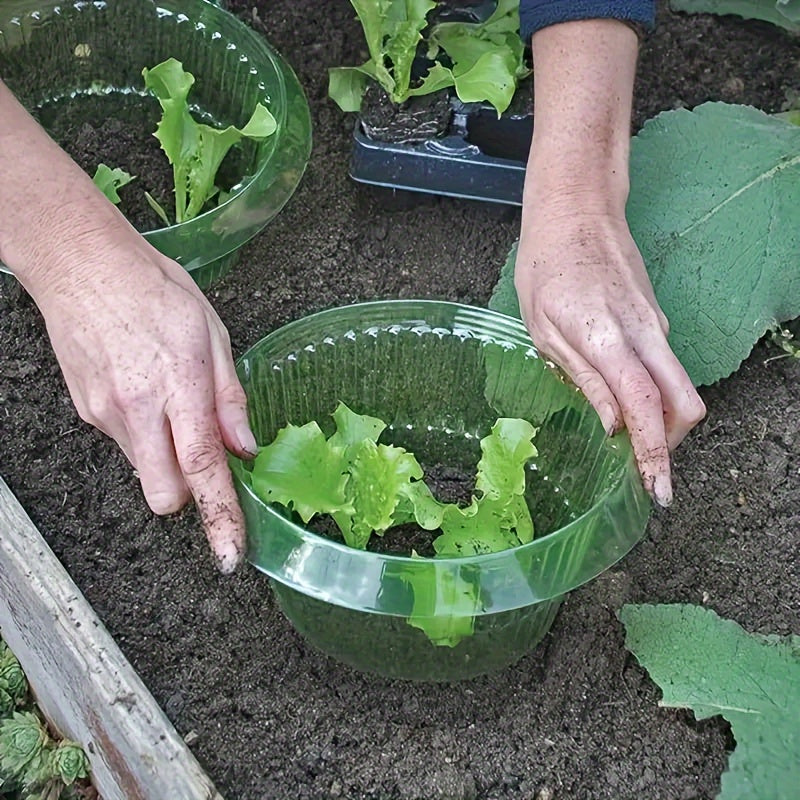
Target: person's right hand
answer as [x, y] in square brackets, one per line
[588, 303]
[144, 355]
[148, 362]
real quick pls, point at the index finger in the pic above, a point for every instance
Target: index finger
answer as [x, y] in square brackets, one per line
[642, 409]
[203, 461]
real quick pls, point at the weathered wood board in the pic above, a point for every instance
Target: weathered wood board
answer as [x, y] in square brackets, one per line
[82, 681]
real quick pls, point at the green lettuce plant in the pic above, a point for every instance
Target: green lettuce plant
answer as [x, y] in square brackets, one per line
[487, 57]
[482, 61]
[194, 149]
[368, 487]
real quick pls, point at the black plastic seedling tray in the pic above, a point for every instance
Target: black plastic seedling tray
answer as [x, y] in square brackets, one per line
[480, 157]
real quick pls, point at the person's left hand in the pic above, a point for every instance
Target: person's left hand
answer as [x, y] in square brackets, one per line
[588, 303]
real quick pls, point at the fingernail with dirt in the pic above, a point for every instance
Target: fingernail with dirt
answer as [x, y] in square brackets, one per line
[246, 439]
[228, 557]
[662, 491]
[609, 419]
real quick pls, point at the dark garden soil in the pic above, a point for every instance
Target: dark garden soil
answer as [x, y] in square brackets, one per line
[118, 144]
[273, 719]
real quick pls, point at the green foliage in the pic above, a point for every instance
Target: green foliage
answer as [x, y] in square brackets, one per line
[13, 685]
[195, 150]
[23, 740]
[715, 210]
[483, 61]
[444, 606]
[785, 13]
[487, 57]
[712, 666]
[784, 338]
[108, 181]
[504, 295]
[392, 30]
[33, 766]
[368, 487]
[69, 762]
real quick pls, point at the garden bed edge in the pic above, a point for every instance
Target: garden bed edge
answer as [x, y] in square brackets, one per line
[80, 678]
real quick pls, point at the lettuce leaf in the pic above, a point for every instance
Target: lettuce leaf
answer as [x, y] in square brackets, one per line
[108, 181]
[482, 60]
[195, 150]
[368, 487]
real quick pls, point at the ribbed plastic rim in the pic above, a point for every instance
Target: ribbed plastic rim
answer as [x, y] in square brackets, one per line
[481, 322]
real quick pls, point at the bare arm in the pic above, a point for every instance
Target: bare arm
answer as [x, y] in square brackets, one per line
[144, 355]
[583, 289]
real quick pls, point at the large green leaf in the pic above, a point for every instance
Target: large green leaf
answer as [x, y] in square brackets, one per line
[785, 13]
[715, 210]
[712, 666]
[504, 296]
[789, 9]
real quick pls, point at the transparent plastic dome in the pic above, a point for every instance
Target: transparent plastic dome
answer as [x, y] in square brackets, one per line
[55, 55]
[440, 374]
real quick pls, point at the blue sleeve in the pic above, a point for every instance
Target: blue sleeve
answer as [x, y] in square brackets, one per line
[536, 14]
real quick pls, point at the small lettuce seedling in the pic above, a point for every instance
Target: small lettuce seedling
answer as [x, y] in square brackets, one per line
[108, 181]
[368, 487]
[483, 61]
[194, 149]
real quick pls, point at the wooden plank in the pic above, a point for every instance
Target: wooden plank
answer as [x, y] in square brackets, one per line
[82, 682]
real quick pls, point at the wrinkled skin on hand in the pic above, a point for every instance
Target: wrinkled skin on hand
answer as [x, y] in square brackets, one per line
[588, 303]
[148, 362]
[144, 355]
[583, 289]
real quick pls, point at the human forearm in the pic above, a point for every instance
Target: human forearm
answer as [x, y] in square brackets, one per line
[50, 210]
[583, 85]
[583, 289]
[145, 357]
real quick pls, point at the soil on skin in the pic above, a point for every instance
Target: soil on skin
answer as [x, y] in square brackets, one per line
[271, 718]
